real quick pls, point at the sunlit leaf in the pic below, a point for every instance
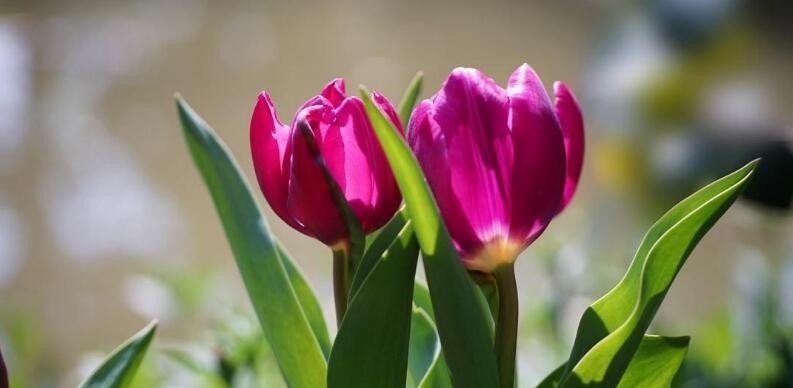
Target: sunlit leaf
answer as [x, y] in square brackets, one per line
[281, 315]
[654, 365]
[462, 326]
[656, 362]
[371, 348]
[611, 329]
[119, 368]
[409, 98]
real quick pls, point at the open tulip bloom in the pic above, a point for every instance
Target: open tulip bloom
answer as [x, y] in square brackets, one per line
[482, 170]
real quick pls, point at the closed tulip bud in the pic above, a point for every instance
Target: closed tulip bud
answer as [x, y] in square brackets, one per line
[293, 183]
[500, 162]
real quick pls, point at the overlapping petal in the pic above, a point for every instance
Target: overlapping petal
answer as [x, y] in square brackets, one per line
[495, 160]
[572, 122]
[345, 138]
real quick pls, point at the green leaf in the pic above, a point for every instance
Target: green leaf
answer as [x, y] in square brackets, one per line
[656, 362]
[421, 298]
[424, 346]
[281, 316]
[552, 380]
[612, 327]
[118, 369]
[462, 326]
[308, 300]
[374, 251]
[427, 366]
[654, 366]
[371, 347]
[409, 99]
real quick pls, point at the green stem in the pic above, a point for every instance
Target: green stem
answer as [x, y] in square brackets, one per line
[506, 324]
[341, 280]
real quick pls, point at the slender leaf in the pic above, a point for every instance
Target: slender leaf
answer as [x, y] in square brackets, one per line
[409, 98]
[281, 316]
[656, 362]
[427, 364]
[119, 368]
[552, 380]
[654, 366]
[375, 250]
[308, 300]
[462, 326]
[611, 328]
[424, 346]
[371, 348]
[421, 298]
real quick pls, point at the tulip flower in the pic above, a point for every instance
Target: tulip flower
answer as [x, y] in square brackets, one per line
[502, 163]
[293, 184]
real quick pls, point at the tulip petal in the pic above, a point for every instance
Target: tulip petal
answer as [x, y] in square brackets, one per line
[468, 162]
[270, 149]
[362, 171]
[309, 199]
[538, 175]
[572, 122]
[334, 92]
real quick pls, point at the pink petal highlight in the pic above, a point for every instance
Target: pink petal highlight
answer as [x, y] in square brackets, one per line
[538, 175]
[271, 150]
[572, 122]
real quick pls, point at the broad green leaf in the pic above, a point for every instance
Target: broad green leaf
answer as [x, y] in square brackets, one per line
[654, 365]
[462, 326]
[281, 316]
[308, 300]
[656, 362]
[612, 327]
[409, 99]
[118, 369]
[371, 347]
[376, 248]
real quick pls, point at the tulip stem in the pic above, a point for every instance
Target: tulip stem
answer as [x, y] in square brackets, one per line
[341, 280]
[506, 324]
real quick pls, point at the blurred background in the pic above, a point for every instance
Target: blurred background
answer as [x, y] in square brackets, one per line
[105, 224]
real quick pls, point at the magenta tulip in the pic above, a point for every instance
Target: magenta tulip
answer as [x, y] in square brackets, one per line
[501, 163]
[293, 183]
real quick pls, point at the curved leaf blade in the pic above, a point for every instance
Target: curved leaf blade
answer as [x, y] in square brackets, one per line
[281, 316]
[656, 362]
[654, 366]
[119, 368]
[385, 237]
[371, 348]
[462, 326]
[611, 329]
[409, 98]
[424, 346]
[308, 300]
